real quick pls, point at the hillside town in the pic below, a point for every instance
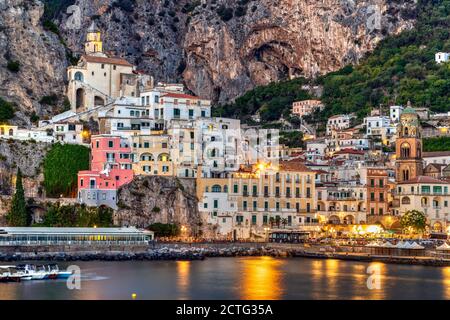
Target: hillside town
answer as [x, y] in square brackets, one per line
[353, 176]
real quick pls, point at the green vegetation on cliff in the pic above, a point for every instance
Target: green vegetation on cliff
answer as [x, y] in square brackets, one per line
[61, 166]
[271, 101]
[436, 144]
[17, 215]
[77, 216]
[401, 68]
[165, 229]
[6, 110]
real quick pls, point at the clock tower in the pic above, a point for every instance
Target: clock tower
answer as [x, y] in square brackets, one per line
[408, 147]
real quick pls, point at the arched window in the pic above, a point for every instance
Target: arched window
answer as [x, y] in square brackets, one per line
[163, 157]
[406, 200]
[78, 76]
[146, 157]
[216, 188]
[2, 131]
[11, 132]
[405, 131]
[405, 175]
[424, 201]
[405, 150]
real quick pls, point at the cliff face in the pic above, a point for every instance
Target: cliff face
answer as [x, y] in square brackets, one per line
[148, 200]
[27, 156]
[39, 54]
[221, 48]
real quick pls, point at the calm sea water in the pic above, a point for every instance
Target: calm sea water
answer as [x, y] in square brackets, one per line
[239, 278]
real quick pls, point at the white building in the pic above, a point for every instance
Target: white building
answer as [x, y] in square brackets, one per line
[395, 112]
[338, 122]
[441, 57]
[316, 149]
[429, 195]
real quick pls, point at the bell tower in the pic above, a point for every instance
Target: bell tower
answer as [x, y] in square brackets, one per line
[93, 44]
[408, 147]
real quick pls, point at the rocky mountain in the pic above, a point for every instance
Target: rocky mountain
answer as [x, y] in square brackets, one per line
[150, 199]
[218, 48]
[32, 60]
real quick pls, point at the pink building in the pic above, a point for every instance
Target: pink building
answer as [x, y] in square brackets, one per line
[110, 169]
[302, 108]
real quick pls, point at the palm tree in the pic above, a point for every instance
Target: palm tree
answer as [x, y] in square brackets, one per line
[271, 221]
[278, 220]
[284, 222]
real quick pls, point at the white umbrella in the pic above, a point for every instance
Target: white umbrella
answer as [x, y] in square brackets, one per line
[415, 245]
[444, 246]
[400, 245]
[407, 245]
[372, 244]
[387, 244]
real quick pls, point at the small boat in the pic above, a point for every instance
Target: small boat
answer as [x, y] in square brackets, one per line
[10, 274]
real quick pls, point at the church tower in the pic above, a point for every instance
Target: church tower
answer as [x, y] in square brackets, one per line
[93, 45]
[408, 147]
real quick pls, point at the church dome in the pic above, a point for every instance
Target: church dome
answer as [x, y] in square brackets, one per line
[409, 110]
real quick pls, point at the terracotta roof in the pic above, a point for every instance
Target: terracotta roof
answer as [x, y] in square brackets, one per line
[437, 165]
[107, 60]
[321, 171]
[179, 95]
[294, 165]
[436, 154]
[424, 179]
[349, 151]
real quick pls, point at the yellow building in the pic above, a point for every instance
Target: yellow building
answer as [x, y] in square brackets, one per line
[151, 155]
[250, 201]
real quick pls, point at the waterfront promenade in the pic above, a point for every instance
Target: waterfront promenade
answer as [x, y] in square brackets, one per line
[200, 251]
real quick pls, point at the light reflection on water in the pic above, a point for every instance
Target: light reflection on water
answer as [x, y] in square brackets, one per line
[240, 278]
[262, 279]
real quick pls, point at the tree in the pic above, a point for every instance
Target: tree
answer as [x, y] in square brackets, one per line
[413, 221]
[61, 166]
[17, 216]
[284, 222]
[6, 110]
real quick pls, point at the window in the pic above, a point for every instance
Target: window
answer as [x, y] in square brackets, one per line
[253, 219]
[255, 190]
[191, 113]
[216, 203]
[176, 113]
[216, 188]
[110, 144]
[81, 182]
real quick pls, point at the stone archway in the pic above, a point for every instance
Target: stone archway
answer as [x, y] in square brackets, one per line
[334, 220]
[80, 99]
[349, 219]
[99, 101]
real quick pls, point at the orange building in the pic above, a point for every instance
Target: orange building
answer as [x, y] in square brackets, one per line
[377, 192]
